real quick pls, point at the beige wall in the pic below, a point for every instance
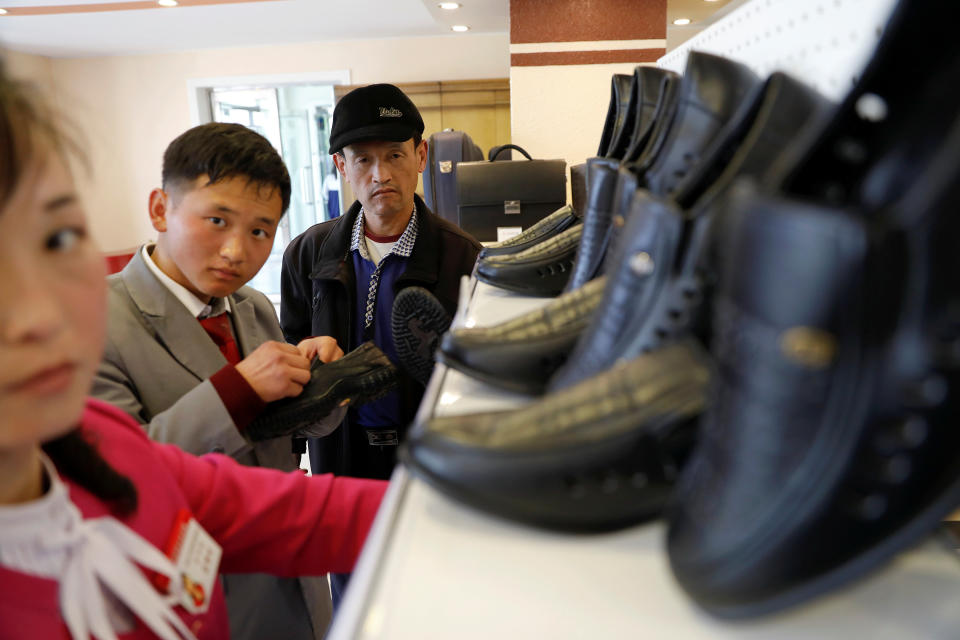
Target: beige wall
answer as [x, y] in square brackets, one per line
[130, 107]
[558, 111]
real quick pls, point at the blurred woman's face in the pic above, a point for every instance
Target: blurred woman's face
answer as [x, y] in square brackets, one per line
[52, 306]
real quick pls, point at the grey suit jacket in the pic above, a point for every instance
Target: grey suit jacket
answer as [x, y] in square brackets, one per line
[156, 367]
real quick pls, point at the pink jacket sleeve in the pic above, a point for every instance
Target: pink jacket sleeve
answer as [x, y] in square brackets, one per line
[267, 521]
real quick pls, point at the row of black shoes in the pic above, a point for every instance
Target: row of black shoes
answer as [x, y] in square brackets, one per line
[756, 333]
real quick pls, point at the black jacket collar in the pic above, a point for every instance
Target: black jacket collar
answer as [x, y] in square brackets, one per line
[423, 264]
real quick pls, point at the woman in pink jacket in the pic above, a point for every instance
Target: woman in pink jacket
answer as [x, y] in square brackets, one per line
[104, 533]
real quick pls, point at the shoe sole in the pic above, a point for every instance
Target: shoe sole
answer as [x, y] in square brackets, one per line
[418, 321]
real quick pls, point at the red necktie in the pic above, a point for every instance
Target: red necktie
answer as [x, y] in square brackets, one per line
[218, 327]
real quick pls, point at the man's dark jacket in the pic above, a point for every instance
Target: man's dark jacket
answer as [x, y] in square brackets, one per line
[318, 299]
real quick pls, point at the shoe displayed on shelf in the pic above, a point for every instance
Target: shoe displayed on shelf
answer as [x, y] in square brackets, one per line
[362, 375]
[616, 110]
[711, 91]
[599, 456]
[838, 387]
[836, 332]
[652, 83]
[622, 135]
[558, 221]
[596, 221]
[418, 320]
[659, 289]
[540, 270]
[522, 354]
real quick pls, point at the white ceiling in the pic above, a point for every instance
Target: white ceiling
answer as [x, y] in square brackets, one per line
[235, 25]
[255, 23]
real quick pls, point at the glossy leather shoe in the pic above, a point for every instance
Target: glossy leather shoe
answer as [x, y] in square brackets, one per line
[601, 192]
[417, 322]
[522, 354]
[659, 289]
[623, 134]
[557, 222]
[616, 110]
[600, 456]
[653, 96]
[711, 91]
[363, 375]
[833, 443]
[541, 270]
[836, 336]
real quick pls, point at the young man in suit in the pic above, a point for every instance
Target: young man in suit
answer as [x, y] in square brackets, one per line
[194, 355]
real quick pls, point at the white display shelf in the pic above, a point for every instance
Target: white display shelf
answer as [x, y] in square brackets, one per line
[435, 569]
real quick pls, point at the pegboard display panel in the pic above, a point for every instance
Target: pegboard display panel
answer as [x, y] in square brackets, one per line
[825, 43]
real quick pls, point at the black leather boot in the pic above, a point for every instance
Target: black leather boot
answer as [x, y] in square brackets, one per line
[616, 110]
[522, 354]
[558, 221]
[657, 287]
[363, 375]
[540, 270]
[600, 456]
[417, 321]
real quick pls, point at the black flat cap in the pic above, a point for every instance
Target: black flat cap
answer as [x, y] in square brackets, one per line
[374, 112]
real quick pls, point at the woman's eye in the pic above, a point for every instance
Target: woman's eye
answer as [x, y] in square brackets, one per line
[65, 239]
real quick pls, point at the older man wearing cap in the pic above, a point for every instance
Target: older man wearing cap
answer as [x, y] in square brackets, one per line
[340, 277]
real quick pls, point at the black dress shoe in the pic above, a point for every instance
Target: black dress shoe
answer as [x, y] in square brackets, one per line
[418, 320]
[541, 270]
[836, 334]
[522, 353]
[659, 289]
[596, 221]
[651, 83]
[648, 245]
[832, 444]
[558, 221]
[711, 91]
[623, 134]
[363, 375]
[616, 110]
[600, 456]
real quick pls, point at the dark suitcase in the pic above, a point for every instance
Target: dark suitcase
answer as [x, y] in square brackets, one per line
[446, 149]
[496, 198]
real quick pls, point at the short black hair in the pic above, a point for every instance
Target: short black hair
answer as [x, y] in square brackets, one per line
[223, 150]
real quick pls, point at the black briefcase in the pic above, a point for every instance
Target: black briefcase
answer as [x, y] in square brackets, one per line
[494, 199]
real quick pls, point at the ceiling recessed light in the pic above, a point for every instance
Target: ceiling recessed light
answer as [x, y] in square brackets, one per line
[3, 12]
[460, 27]
[167, 3]
[681, 21]
[449, 6]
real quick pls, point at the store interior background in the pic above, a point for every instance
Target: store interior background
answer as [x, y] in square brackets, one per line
[130, 79]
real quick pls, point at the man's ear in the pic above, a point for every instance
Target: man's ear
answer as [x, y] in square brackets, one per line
[422, 153]
[159, 205]
[339, 161]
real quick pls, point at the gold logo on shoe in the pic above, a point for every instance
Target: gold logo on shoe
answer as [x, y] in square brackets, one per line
[809, 347]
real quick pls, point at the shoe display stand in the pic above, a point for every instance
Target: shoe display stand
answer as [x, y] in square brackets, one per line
[434, 568]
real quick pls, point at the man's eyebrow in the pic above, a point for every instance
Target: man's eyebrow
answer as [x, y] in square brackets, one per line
[59, 202]
[267, 220]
